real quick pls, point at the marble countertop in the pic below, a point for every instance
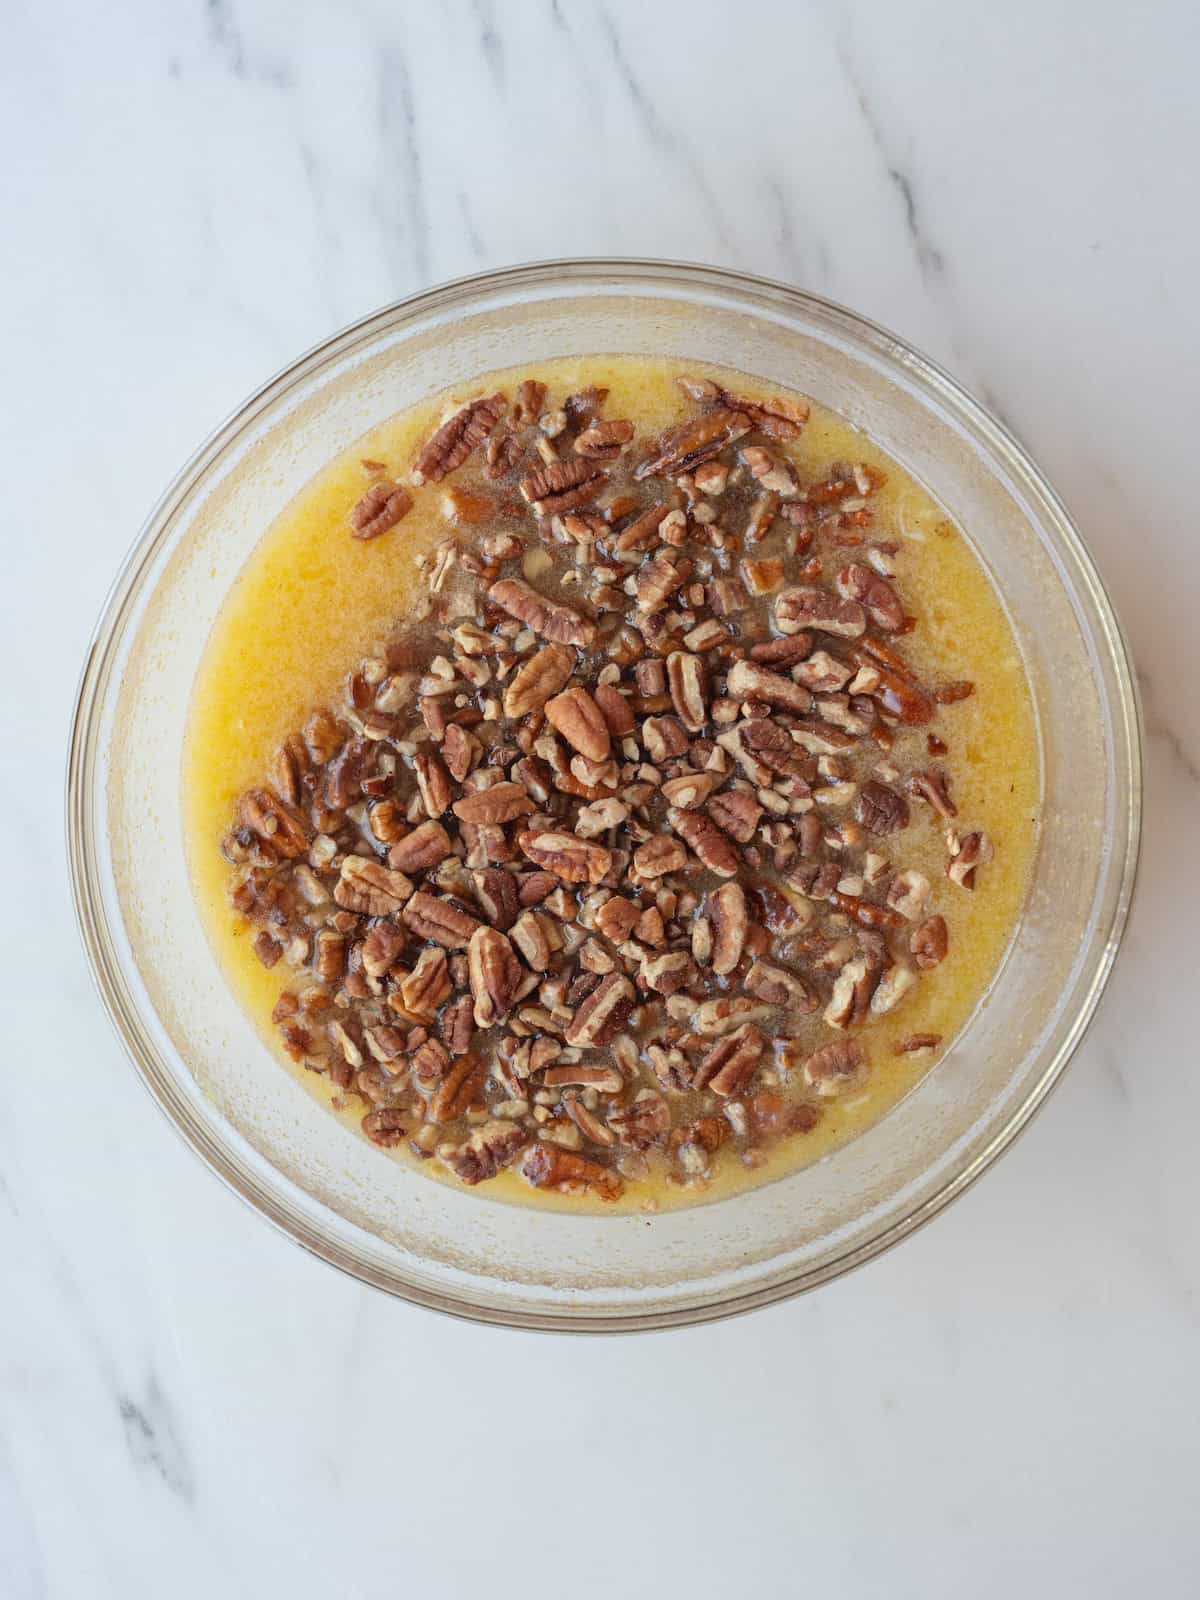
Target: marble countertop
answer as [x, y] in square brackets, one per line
[189, 1405]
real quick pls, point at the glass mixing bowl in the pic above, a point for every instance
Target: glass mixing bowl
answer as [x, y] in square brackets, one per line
[326, 1186]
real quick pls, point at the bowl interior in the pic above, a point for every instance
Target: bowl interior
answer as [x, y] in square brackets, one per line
[329, 1188]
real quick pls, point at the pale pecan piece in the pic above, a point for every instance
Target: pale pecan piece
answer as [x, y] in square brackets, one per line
[424, 989]
[891, 988]
[778, 987]
[536, 679]
[531, 933]
[727, 1066]
[441, 921]
[581, 722]
[602, 1013]
[836, 1067]
[501, 803]
[603, 441]
[966, 853]
[664, 737]
[698, 440]
[929, 943]
[881, 809]
[460, 1091]
[715, 1017]
[380, 508]
[803, 607]
[557, 622]
[821, 673]
[685, 678]
[703, 836]
[495, 975]
[574, 860]
[933, 786]
[421, 849]
[908, 893]
[615, 709]
[496, 891]
[669, 972]
[617, 918]
[851, 987]
[381, 948]
[882, 603]
[730, 926]
[549, 1167]
[691, 790]
[735, 812]
[561, 486]
[646, 1121]
[274, 821]
[749, 681]
[370, 888]
[433, 781]
[658, 856]
[642, 532]
[821, 738]
[460, 751]
[658, 579]
[457, 438]
[488, 1151]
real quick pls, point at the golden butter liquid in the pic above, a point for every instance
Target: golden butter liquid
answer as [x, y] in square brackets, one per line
[311, 602]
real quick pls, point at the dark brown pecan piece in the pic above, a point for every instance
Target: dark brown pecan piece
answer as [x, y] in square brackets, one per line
[386, 1126]
[602, 1013]
[933, 786]
[802, 606]
[603, 440]
[531, 397]
[421, 849]
[697, 440]
[371, 888]
[380, 508]
[553, 621]
[549, 1167]
[727, 1066]
[495, 975]
[702, 835]
[646, 1121]
[561, 486]
[777, 416]
[274, 822]
[503, 802]
[881, 809]
[766, 742]
[488, 1151]
[859, 582]
[929, 943]
[460, 1091]
[496, 891]
[778, 987]
[735, 812]
[457, 1025]
[440, 921]
[455, 439]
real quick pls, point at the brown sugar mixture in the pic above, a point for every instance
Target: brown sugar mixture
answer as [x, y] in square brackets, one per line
[674, 806]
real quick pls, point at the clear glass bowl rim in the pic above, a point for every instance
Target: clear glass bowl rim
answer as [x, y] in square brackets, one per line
[606, 274]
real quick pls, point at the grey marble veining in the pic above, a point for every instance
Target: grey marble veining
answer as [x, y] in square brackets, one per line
[189, 1405]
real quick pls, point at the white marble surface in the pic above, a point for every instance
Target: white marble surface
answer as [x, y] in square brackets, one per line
[188, 1404]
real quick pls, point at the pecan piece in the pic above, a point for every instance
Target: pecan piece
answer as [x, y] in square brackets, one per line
[380, 508]
[749, 681]
[658, 856]
[343, 775]
[556, 622]
[561, 486]
[664, 737]
[460, 751]
[617, 918]
[715, 1017]
[527, 407]
[433, 781]
[488, 1151]
[370, 888]
[646, 1121]
[642, 532]
[425, 988]
[495, 975]
[727, 1066]
[658, 579]
[891, 988]
[549, 1167]
[535, 680]
[457, 1025]
[574, 860]
[778, 987]
[929, 943]
[703, 836]
[691, 790]
[602, 1013]
[865, 912]
[273, 821]
[882, 603]
[966, 853]
[440, 921]
[496, 891]
[581, 722]
[908, 893]
[916, 1043]
[590, 1127]
[933, 786]
[457, 438]
[503, 802]
[603, 441]
[460, 1091]
[430, 1063]
[896, 691]
[421, 849]
[381, 949]
[386, 1126]
[532, 937]
[685, 678]
[693, 442]
[851, 992]
[735, 812]
[803, 607]
[730, 926]
[880, 809]
[615, 709]
[836, 1067]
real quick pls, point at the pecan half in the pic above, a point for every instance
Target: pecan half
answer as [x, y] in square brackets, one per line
[370, 888]
[561, 486]
[929, 943]
[749, 681]
[496, 891]
[556, 622]
[535, 680]
[603, 441]
[735, 812]
[574, 860]
[457, 438]
[703, 836]
[433, 781]
[495, 975]
[457, 1025]
[581, 722]
[424, 989]
[685, 678]
[664, 737]
[836, 1067]
[602, 1013]
[880, 809]
[549, 1167]
[501, 803]
[730, 926]
[488, 1151]
[802, 607]
[438, 920]
[381, 948]
[615, 709]
[380, 508]
[728, 1065]
[274, 821]
[695, 441]
[460, 751]
[421, 849]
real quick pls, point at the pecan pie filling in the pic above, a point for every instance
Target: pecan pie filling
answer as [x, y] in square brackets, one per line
[615, 856]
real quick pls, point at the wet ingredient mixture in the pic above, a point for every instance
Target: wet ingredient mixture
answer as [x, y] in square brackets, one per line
[624, 783]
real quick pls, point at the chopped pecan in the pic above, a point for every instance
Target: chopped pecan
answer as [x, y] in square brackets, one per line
[430, 1063]
[380, 508]
[273, 821]
[947, 694]
[727, 1066]
[916, 1042]
[836, 1067]
[691, 790]
[496, 891]
[778, 987]
[421, 849]
[933, 786]
[617, 918]
[461, 506]
[966, 853]
[891, 988]
[457, 438]
[531, 935]
[664, 737]
[777, 416]
[896, 690]
[553, 621]
[882, 603]
[460, 751]
[820, 737]
[587, 1075]
[386, 1125]
[433, 781]
[459, 1091]
[698, 440]
[658, 856]
[821, 673]
[531, 397]
[703, 836]
[615, 709]
[929, 943]
[735, 812]
[669, 972]
[803, 607]
[880, 809]
[604, 441]
[424, 989]
[501, 803]
[715, 1017]
[381, 948]
[908, 893]
[574, 860]
[561, 486]
[851, 993]
[590, 1126]
[581, 722]
[602, 1013]
[685, 677]
[495, 975]
[438, 920]
[370, 887]
[658, 579]
[642, 532]
[763, 747]
[536, 679]
[643, 1123]
[504, 452]
[488, 1151]
[549, 1167]
[749, 681]
[457, 1024]
[727, 907]
[865, 912]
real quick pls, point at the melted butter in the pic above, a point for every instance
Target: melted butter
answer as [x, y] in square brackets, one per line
[311, 602]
